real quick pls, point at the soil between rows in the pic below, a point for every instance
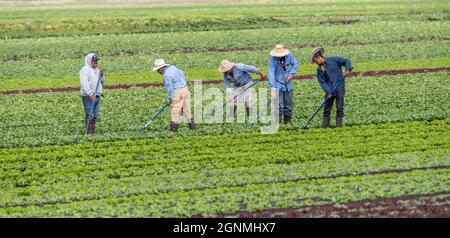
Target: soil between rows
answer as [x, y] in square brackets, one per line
[306, 77]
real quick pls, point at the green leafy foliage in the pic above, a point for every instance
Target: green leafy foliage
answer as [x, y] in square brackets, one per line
[209, 175]
[19, 23]
[395, 142]
[57, 118]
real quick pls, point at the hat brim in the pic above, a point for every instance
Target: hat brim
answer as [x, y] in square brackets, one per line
[156, 68]
[320, 50]
[279, 54]
[225, 69]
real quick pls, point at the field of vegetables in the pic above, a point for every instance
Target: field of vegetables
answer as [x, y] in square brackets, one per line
[391, 159]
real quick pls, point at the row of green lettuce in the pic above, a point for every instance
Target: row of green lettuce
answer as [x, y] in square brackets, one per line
[209, 175]
[130, 79]
[57, 118]
[113, 45]
[156, 159]
[20, 23]
[256, 8]
[391, 54]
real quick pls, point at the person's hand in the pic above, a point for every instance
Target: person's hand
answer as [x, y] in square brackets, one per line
[347, 73]
[93, 97]
[329, 96]
[289, 77]
[102, 72]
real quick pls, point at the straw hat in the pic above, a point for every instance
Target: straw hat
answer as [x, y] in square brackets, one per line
[225, 65]
[159, 63]
[279, 51]
[315, 51]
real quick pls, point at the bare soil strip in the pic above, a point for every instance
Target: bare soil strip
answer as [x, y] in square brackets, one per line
[429, 205]
[306, 77]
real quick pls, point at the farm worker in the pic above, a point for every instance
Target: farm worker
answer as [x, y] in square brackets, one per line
[177, 93]
[236, 77]
[329, 75]
[282, 69]
[89, 76]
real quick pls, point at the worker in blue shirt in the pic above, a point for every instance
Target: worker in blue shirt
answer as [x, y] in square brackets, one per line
[282, 69]
[237, 77]
[329, 75]
[177, 93]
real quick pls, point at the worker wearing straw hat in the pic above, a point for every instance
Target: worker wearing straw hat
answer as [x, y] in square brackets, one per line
[177, 93]
[238, 75]
[329, 75]
[282, 68]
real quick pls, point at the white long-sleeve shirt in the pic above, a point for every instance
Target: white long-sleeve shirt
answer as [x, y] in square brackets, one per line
[89, 78]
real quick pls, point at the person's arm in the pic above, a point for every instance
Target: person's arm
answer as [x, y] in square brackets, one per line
[294, 68]
[168, 84]
[250, 69]
[325, 86]
[84, 83]
[226, 81]
[271, 73]
[345, 62]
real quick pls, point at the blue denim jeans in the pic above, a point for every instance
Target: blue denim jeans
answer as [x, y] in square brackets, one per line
[339, 105]
[285, 103]
[87, 102]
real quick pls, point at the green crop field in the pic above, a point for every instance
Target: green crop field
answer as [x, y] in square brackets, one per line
[393, 153]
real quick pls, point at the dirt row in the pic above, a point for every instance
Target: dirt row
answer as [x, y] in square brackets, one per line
[414, 206]
[306, 77]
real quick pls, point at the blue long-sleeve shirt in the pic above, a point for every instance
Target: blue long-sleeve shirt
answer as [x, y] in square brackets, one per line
[277, 74]
[173, 79]
[329, 78]
[241, 75]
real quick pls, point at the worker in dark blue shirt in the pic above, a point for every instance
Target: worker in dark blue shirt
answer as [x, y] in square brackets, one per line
[329, 74]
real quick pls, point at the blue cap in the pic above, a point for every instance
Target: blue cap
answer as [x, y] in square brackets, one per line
[95, 58]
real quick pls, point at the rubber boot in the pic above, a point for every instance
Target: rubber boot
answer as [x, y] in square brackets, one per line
[91, 127]
[247, 111]
[339, 121]
[287, 119]
[326, 122]
[192, 125]
[174, 127]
